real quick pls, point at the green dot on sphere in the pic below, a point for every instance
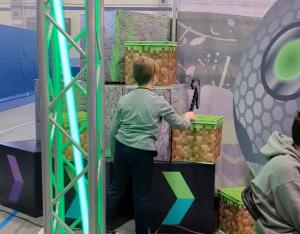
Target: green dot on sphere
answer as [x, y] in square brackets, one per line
[287, 62]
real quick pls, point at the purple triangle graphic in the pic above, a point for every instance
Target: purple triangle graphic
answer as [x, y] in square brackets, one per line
[15, 192]
[17, 186]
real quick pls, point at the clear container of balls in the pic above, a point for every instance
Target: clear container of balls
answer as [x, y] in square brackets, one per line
[233, 216]
[201, 143]
[162, 52]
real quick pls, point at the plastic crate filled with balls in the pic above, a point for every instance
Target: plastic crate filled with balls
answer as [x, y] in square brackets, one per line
[163, 52]
[201, 143]
[233, 216]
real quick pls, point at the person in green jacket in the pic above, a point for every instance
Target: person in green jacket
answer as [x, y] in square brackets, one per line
[133, 133]
[276, 189]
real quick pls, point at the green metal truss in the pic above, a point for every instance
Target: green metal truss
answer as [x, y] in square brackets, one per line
[63, 99]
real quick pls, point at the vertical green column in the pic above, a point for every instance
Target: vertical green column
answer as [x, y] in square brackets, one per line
[51, 93]
[59, 84]
[59, 163]
[43, 70]
[95, 84]
[99, 13]
[72, 113]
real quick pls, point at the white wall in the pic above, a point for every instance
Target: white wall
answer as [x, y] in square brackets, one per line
[122, 2]
[7, 10]
[255, 8]
[135, 2]
[243, 7]
[6, 18]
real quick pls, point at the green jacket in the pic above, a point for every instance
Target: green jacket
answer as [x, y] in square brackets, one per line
[138, 117]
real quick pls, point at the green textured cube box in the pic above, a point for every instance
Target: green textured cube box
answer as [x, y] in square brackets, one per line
[233, 216]
[162, 52]
[201, 143]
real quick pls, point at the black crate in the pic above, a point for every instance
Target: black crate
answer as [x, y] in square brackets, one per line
[21, 177]
[197, 214]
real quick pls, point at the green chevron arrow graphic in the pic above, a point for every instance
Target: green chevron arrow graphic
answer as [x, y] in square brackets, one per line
[184, 196]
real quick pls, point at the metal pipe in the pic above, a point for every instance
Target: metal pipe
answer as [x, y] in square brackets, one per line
[69, 165]
[68, 136]
[43, 76]
[57, 156]
[81, 89]
[174, 20]
[103, 183]
[92, 130]
[78, 36]
[70, 39]
[102, 90]
[54, 225]
[52, 132]
[54, 182]
[49, 36]
[74, 224]
[64, 90]
[69, 186]
[68, 229]
[81, 129]
[72, 113]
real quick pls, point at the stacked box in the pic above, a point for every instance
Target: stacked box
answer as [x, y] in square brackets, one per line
[164, 53]
[122, 26]
[234, 217]
[201, 143]
[112, 94]
[176, 95]
[194, 208]
[21, 173]
[82, 118]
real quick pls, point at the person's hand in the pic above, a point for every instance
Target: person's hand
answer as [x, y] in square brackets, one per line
[189, 115]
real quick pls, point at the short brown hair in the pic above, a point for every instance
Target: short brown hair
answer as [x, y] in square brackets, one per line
[296, 130]
[143, 69]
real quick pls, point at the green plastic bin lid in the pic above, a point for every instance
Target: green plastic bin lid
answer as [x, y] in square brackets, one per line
[108, 153]
[211, 121]
[232, 196]
[150, 43]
